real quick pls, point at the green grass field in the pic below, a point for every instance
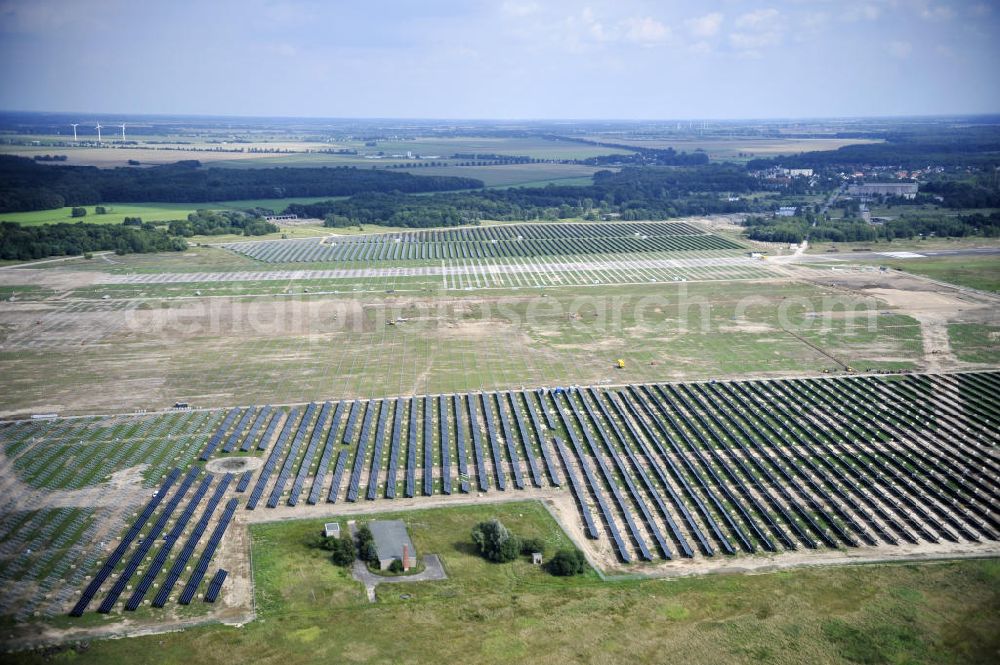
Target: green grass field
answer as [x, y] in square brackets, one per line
[981, 273]
[844, 249]
[149, 212]
[311, 611]
[975, 342]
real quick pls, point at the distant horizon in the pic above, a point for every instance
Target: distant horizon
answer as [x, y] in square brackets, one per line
[775, 119]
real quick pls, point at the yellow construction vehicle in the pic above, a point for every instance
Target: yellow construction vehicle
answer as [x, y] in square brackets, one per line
[620, 363]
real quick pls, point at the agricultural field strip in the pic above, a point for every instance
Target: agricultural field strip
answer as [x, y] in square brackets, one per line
[451, 269]
[811, 461]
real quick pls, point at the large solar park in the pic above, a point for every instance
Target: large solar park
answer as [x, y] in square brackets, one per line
[145, 516]
[658, 473]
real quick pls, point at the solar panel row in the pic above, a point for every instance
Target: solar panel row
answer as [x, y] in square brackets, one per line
[119, 551]
[198, 574]
[216, 438]
[192, 543]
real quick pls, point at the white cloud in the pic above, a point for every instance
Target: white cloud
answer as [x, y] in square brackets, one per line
[520, 9]
[936, 12]
[593, 27]
[758, 29]
[704, 26]
[865, 12]
[645, 30]
[815, 20]
[758, 19]
[588, 29]
[900, 49]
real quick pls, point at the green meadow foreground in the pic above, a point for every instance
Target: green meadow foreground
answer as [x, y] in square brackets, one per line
[311, 611]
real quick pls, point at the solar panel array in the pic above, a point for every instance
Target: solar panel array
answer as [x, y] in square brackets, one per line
[154, 568]
[660, 470]
[116, 556]
[191, 544]
[509, 240]
[671, 470]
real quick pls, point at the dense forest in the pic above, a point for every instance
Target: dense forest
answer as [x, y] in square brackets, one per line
[958, 194]
[977, 147]
[27, 185]
[632, 193]
[37, 242]
[796, 229]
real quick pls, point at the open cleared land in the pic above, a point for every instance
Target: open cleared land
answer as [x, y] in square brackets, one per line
[212, 351]
[977, 273]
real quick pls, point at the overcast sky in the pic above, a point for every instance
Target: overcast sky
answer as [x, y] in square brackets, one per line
[502, 59]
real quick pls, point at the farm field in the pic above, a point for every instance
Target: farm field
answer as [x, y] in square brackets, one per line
[308, 154]
[149, 212]
[740, 149]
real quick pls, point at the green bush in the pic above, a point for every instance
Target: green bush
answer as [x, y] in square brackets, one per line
[320, 542]
[396, 566]
[343, 550]
[567, 562]
[78, 212]
[366, 545]
[495, 541]
[529, 545]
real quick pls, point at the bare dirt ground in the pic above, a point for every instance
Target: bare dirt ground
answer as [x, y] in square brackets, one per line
[933, 305]
[123, 488]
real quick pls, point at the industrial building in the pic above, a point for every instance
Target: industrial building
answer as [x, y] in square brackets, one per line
[392, 543]
[907, 190]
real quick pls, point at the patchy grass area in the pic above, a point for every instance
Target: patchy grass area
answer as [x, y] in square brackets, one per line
[844, 250]
[303, 347]
[975, 342]
[976, 272]
[311, 611]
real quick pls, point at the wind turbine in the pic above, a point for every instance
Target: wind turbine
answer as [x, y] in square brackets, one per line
[98, 131]
[123, 132]
[74, 124]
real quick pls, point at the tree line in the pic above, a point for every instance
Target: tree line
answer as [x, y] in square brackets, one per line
[796, 229]
[26, 185]
[24, 243]
[632, 193]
